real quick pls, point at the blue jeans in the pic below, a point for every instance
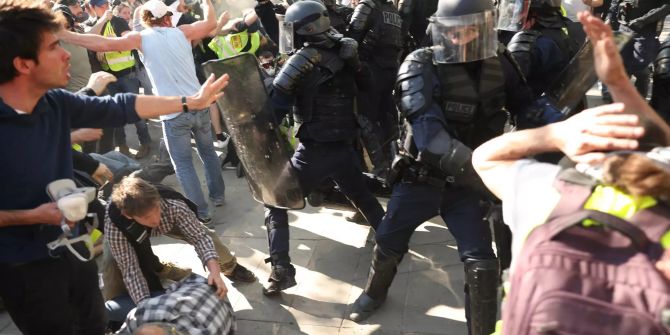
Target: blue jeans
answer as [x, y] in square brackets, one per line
[117, 162]
[177, 134]
[119, 307]
[412, 204]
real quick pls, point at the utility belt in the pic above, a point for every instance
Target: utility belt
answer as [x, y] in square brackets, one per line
[405, 170]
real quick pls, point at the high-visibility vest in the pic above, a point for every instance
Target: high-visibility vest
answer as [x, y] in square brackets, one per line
[114, 60]
[234, 44]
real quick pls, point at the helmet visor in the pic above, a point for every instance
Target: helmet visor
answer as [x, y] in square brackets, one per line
[465, 38]
[512, 14]
[286, 40]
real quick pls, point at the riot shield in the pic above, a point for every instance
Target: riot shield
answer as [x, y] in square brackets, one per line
[569, 88]
[248, 115]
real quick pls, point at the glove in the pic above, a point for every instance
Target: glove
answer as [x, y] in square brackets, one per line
[349, 52]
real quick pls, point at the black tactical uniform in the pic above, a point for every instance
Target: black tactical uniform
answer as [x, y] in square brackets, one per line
[453, 97]
[415, 14]
[319, 84]
[547, 45]
[376, 26]
[660, 98]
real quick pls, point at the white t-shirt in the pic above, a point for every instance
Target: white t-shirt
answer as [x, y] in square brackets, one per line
[529, 199]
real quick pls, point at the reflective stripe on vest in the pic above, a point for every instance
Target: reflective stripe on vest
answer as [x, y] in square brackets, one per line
[114, 60]
[234, 44]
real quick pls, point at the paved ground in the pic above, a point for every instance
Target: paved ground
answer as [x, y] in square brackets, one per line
[332, 257]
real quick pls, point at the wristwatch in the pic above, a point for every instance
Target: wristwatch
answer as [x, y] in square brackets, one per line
[184, 106]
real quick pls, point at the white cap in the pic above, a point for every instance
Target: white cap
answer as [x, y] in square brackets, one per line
[157, 8]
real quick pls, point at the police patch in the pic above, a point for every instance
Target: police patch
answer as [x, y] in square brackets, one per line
[392, 19]
[459, 111]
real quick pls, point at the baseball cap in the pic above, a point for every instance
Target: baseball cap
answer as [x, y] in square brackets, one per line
[157, 8]
[97, 3]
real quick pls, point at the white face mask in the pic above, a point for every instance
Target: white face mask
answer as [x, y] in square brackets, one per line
[270, 72]
[73, 204]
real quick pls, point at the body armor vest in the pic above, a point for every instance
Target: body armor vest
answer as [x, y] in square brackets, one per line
[325, 105]
[138, 237]
[384, 40]
[472, 105]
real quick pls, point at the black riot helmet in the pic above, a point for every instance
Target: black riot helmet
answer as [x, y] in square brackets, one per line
[463, 31]
[309, 23]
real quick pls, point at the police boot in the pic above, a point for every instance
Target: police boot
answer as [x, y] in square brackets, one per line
[282, 276]
[382, 271]
[481, 288]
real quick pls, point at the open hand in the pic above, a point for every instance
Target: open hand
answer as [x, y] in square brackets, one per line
[99, 81]
[102, 174]
[209, 92]
[85, 135]
[608, 63]
[586, 135]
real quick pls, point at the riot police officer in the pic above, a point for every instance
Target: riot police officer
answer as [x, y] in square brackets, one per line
[318, 83]
[544, 41]
[376, 26]
[640, 18]
[453, 96]
[415, 14]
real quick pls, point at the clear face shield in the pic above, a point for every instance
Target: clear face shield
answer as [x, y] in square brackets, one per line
[465, 38]
[286, 37]
[513, 14]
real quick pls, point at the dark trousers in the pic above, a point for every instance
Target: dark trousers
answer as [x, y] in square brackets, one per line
[112, 137]
[56, 296]
[314, 162]
[412, 204]
[638, 54]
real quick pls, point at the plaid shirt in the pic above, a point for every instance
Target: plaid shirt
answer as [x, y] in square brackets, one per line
[175, 214]
[191, 306]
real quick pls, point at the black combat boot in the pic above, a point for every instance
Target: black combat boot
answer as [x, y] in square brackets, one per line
[481, 295]
[282, 276]
[382, 271]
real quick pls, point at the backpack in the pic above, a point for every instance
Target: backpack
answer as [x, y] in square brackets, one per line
[601, 279]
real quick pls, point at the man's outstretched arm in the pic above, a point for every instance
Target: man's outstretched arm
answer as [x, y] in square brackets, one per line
[97, 43]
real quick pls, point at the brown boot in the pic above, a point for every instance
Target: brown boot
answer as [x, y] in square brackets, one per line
[144, 151]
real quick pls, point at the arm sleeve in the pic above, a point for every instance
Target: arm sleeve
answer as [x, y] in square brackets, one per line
[266, 15]
[194, 233]
[127, 261]
[83, 162]
[99, 112]
[654, 15]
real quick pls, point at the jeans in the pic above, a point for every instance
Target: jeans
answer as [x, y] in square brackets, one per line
[177, 134]
[126, 84]
[412, 204]
[54, 296]
[117, 162]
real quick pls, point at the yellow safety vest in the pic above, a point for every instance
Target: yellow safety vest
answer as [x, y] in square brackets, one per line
[234, 44]
[114, 60]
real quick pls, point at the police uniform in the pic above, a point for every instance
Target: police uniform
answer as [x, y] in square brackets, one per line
[376, 26]
[319, 87]
[450, 104]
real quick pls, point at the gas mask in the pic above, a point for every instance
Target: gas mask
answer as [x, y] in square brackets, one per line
[73, 204]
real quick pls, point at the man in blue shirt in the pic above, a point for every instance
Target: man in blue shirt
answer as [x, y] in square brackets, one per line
[51, 293]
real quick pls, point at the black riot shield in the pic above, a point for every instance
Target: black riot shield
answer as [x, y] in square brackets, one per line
[248, 115]
[569, 88]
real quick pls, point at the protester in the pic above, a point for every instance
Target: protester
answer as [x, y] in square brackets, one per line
[139, 210]
[35, 133]
[166, 54]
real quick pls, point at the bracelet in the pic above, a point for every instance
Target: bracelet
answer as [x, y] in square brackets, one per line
[184, 106]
